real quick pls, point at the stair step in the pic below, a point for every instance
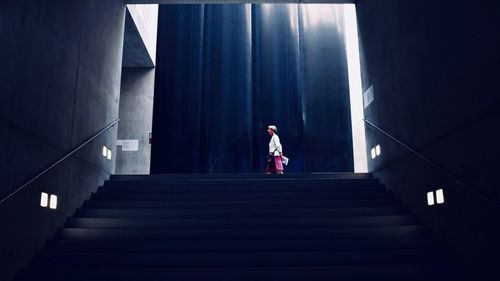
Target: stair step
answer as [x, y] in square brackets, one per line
[239, 233]
[234, 212]
[274, 181]
[231, 245]
[254, 259]
[239, 222]
[231, 195]
[246, 184]
[259, 193]
[402, 272]
[260, 186]
[275, 204]
[160, 177]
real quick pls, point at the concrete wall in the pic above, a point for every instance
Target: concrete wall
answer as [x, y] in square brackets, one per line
[146, 20]
[434, 67]
[59, 84]
[136, 119]
[137, 89]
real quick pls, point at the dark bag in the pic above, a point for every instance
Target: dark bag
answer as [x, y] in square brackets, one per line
[270, 156]
[270, 166]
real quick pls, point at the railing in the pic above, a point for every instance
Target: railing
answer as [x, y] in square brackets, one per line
[432, 163]
[57, 161]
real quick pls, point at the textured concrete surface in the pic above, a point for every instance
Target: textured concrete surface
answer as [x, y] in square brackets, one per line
[139, 45]
[59, 84]
[434, 67]
[136, 119]
[137, 86]
[145, 18]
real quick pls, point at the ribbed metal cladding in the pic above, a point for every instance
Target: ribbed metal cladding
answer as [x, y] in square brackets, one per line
[225, 72]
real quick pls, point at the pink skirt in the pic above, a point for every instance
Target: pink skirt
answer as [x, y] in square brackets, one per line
[276, 165]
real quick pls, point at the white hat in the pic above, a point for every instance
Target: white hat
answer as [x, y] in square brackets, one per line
[272, 127]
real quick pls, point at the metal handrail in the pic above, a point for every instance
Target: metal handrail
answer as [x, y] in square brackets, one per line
[59, 160]
[445, 171]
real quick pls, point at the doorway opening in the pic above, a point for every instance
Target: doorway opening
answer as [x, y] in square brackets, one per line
[226, 72]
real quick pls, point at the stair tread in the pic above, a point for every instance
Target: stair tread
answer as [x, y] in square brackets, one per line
[242, 203]
[227, 233]
[251, 259]
[185, 245]
[413, 272]
[233, 212]
[255, 222]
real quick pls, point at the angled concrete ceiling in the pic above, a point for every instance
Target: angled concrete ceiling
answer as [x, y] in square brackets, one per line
[236, 1]
[135, 52]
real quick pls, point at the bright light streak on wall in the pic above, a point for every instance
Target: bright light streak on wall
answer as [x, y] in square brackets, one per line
[355, 89]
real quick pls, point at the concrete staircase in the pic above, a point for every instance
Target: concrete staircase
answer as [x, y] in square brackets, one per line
[241, 227]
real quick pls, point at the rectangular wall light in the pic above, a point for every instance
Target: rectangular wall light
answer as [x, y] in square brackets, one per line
[439, 196]
[109, 154]
[44, 199]
[104, 151]
[430, 198]
[376, 151]
[53, 201]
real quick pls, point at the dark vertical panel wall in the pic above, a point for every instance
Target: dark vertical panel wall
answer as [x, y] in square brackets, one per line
[225, 72]
[177, 108]
[227, 106]
[276, 80]
[434, 67]
[326, 109]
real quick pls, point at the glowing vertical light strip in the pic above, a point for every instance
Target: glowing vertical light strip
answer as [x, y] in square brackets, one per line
[430, 198]
[44, 199]
[439, 196]
[355, 89]
[53, 201]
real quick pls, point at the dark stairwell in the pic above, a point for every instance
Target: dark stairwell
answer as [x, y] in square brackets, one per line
[242, 227]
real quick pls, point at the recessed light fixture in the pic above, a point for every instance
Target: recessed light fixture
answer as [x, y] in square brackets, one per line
[44, 199]
[430, 198]
[439, 196]
[375, 151]
[109, 154]
[104, 151]
[53, 201]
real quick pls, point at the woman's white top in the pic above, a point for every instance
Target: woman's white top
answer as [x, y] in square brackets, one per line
[275, 144]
